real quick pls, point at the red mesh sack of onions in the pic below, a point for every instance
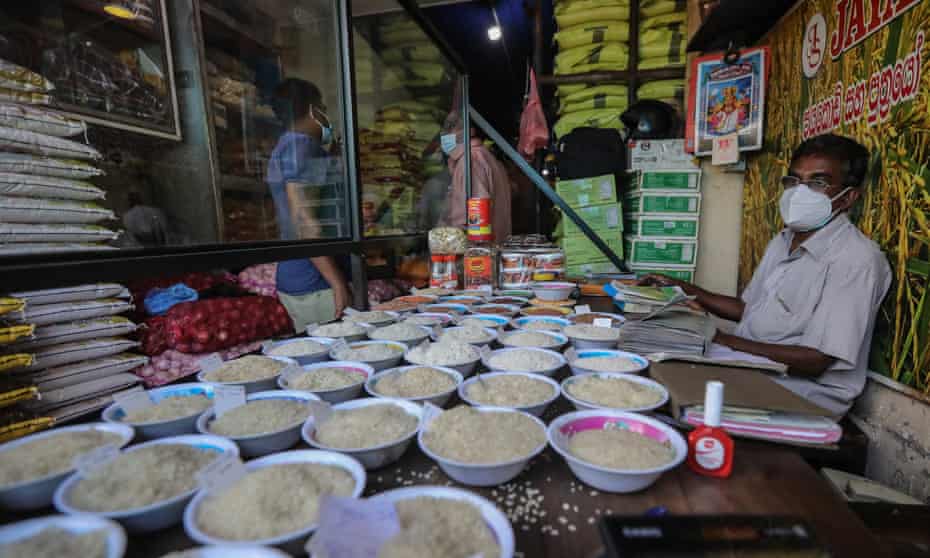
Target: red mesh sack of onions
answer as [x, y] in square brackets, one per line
[259, 279]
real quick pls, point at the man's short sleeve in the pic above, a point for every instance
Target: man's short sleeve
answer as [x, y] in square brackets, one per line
[752, 291]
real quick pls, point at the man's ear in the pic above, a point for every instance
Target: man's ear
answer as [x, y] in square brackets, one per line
[849, 199]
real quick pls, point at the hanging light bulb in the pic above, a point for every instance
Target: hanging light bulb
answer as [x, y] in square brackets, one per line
[122, 10]
[495, 33]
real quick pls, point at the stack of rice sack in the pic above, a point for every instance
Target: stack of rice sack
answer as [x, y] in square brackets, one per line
[63, 353]
[592, 36]
[663, 38]
[46, 203]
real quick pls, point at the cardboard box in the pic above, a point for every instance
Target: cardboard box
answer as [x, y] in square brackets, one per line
[582, 192]
[639, 201]
[605, 219]
[580, 250]
[684, 273]
[652, 155]
[652, 251]
[661, 226]
[689, 181]
[581, 270]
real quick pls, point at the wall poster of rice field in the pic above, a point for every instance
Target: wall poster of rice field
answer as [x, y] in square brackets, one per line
[860, 68]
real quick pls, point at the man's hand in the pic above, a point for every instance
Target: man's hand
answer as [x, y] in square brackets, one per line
[659, 280]
[341, 298]
[726, 307]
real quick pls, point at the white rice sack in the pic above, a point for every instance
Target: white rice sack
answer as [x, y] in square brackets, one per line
[24, 163]
[16, 77]
[90, 369]
[26, 97]
[73, 293]
[44, 314]
[31, 248]
[17, 233]
[31, 185]
[70, 332]
[24, 141]
[66, 353]
[39, 120]
[35, 210]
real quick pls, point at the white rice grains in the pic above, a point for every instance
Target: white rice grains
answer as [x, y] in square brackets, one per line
[245, 369]
[617, 448]
[338, 329]
[607, 364]
[467, 334]
[467, 435]
[421, 381]
[592, 333]
[272, 501]
[169, 408]
[50, 455]
[372, 352]
[440, 528]
[511, 390]
[325, 378]
[530, 339]
[55, 542]
[444, 353]
[298, 348]
[365, 427]
[613, 392]
[522, 360]
[399, 332]
[260, 416]
[373, 317]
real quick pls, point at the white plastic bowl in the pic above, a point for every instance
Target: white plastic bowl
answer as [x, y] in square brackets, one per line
[584, 405]
[535, 410]
[467, 300]
[76, 524]
[558, 341]
[172, 427]
[302, 360]
[582, 344]
[424, 333]
[496, 521]
[485, 359]
[443, 308]
[603, 478]
[490, 320]
[615, 317]
[295, 540]
[337, 395]
[506, 310]
[159, 515]
[465, 370]
[471, 474]
[492, 335]
[235, 551]
[577, 363]
[256, 385]
[392, 317]
[38, 493]
[521, 323]
[269, 442]
[378, 365]
[444, 319]
[311, 332]
[438, 399]
[552, 291]
[377, 456]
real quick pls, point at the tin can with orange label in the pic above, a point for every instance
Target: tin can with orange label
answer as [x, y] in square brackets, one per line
[478, 217]
[479, 268]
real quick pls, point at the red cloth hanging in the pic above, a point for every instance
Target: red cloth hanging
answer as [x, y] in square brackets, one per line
[534, 132]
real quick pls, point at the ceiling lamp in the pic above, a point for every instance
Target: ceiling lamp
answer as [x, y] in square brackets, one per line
[495, 33]
[122, 10]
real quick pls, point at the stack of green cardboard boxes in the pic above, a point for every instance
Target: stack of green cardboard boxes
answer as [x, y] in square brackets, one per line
[595, 201]
[663, 209]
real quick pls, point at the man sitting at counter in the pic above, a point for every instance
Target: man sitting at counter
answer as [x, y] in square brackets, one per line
[811, 303]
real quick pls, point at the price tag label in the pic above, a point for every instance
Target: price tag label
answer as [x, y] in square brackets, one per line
[571, 354]
[582, 309]
[352, 528]
[424, 344]
[210, 362]
[338, 345]
[437, 332]
[311, 327]
[221, 474]
[133, 400]
[226, 398]
[89, 462]
[320, 410]
[602, 322]
[725, 150]
[291, 370]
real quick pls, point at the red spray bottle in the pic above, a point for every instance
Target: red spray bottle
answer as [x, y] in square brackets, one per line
[710, 448]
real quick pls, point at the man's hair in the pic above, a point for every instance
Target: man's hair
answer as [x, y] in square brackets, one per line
[292, 99]
[852, 154]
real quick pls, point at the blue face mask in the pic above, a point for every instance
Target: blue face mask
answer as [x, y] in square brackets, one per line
[326, 137]
[448, 143]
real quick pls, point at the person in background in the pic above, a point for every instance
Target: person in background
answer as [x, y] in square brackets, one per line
[812, 302]
[488, 179]
[311, 289]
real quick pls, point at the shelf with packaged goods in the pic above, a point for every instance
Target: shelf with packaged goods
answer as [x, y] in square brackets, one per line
[614, 76]
[95, 7]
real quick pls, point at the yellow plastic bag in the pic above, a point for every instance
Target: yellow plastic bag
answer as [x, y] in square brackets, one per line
[599, 118]
[596, 102]
[663, 21]
[669, 41]
[662, 90]
[593, 15]
[12, 333]
[590, 92]
[419, 74]
[413, 52]
[574, 6]
[662, 62]
[8, 305]
[593, 33]
[567, 89]
[651, 8]
[14, 361]
[603, 56]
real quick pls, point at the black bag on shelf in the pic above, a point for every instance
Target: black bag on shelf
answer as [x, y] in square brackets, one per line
[586, 152]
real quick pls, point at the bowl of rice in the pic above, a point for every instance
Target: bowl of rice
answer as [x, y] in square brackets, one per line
[380, 355]
[173, 412]
[483, 320]
[585, 336]
[587, 361]
[443, 308]
[146, 486]
[509, 300]
[521, 391]
[304, 350]
[63, 535]
[376, 432]
[540, 323]
[507, 310]
[255, 373]
[334, 381]
[407, 333]
[539, 339]
[276, 503]
[616, 451]
[346, 330]
[616, 320]
[551, 311]
[477, 336]
[483, 446]
[416, 383]
[524, 359]
[269, 421]
[446, 521]
[552, 291]
[32, 467]
[430, 319]
[461, 357]
[609, 390]
[467, 300]
[228, 551]
[372, 317]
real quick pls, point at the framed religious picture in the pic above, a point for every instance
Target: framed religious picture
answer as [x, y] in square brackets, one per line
[727, 96]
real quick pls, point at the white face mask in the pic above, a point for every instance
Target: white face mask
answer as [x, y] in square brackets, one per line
[803, 209]
[447, 142]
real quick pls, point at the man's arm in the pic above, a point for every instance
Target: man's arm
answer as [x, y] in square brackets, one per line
[333, 275]
[726, 307]
[803, 362]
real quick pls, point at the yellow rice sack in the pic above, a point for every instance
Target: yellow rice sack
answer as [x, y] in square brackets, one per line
[650, 8]
[563, 7]
[590, 92]
[662, 90]
[669, 41]
[598, 12]
[663, 21]
[662, 62]
[593, 33]
[596, 102]
[599, 118]
[413, 52]
[603, 56]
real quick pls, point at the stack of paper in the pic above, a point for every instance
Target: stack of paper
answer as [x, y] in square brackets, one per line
[772, 426]
[644, 300]
[675, 331]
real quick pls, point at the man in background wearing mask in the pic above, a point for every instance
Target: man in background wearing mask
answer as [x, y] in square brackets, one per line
[311, 289]
[812, 302]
